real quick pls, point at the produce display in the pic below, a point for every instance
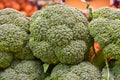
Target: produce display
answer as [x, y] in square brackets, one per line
[56, 43]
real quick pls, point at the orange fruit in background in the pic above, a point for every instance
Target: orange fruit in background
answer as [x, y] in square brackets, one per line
[1, 6]
[15, 5]
[28, 8]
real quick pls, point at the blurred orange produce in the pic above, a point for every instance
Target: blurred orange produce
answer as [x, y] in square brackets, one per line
[22, 5]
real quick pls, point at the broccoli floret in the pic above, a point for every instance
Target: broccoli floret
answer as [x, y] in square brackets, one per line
[14, 17]
[59, 28]
[72, 53]
[106, 34]
[86, 71]
[23, 70]
[59, 70]
[5, 59]
[107, 12]
[105, 31]
[112, 51]
[12, 38]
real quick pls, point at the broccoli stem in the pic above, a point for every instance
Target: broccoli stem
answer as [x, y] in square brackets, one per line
[107, 65]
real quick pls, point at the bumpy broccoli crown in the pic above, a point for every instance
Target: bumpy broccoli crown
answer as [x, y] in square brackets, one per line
[24, 70]
[86, 71]
[5, 59]
[112, 51]
[107, 33]
[59, 70]
[107, 12]
[11, 16]
[57, 27]
[12, 38]
[72, 53]
[44, 51]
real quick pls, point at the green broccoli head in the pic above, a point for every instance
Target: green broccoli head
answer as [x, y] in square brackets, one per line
[59, 70]
[5, 59]
[82, 71]
[112, 50]
[23, 70]
[12, 16]
[106, 33]
[107, 12]
[86, 71]
[59, 27]
[12, 38]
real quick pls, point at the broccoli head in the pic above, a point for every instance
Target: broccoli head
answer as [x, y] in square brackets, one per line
[86, 71]
[12, 38]
[11, 16]
[62, 30]
[81, 71]
[59, 70]
[107, 34]
[106, 12]
[23, 70]
[5, 59]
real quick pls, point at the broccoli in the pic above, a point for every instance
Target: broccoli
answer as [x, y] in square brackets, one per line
[5, 59]
[11, 16]
[59, 33]
[107, 12]
[106, 33]
[59, 70]
[12, 38]
[23, 70]
[86, 71]
[81, 71]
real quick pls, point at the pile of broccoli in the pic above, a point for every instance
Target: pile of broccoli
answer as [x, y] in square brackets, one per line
[55, 43]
